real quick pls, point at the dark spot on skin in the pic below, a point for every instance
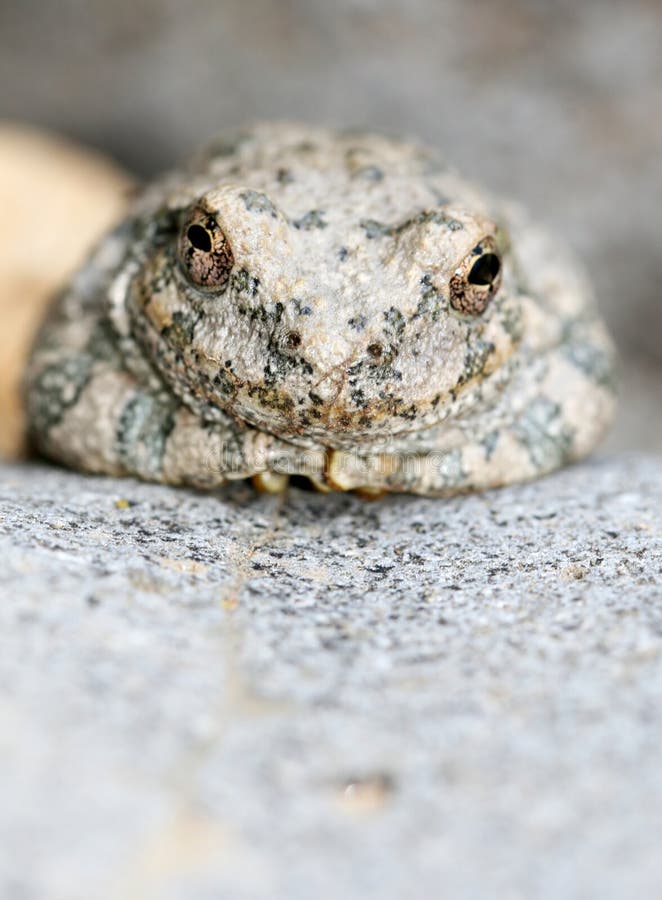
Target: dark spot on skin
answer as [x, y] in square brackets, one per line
[432, 301]
[312, 219]
[395, 320]
[357, 323]
[101, 345]
[409, 413]
[380, 368]
[343, 253]
[489, 444]
[374, 229]
[160, 280]
[301, 308]
[513, 324]
[180, 332]
[358, 397]
[255, 201]
[269, 316]
[284, 176]
[280, 362]
[224, 383]
[436, 216]
[57, 388]
[272, 397]
[539, 429]
[594, 361]
[392, 403]
[245, 283]
[142, 432]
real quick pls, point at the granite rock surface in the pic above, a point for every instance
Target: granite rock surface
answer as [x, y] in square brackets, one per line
[244, 696]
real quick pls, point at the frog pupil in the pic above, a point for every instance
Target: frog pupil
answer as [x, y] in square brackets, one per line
[199, 238]
[485, 270]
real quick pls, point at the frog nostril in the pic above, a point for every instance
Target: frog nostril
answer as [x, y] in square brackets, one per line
[292, 340]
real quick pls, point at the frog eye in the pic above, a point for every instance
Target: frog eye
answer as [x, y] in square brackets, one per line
[476, 280]
[204, 252]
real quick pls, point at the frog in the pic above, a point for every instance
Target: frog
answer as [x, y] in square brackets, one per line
[335, 308]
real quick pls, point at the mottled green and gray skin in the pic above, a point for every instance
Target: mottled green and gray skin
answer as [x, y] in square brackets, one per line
[332, 349]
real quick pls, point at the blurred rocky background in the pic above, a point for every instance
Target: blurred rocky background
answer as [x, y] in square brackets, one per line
[555, 102]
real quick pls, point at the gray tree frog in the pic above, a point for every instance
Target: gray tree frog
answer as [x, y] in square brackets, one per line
[335, 305]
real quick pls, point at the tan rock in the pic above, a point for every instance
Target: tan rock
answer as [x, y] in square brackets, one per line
[57, 199]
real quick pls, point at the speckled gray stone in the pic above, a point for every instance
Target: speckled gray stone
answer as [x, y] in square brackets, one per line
[238, 696]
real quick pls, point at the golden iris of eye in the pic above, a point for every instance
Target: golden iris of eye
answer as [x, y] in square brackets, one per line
[204, 252]
[476, 280]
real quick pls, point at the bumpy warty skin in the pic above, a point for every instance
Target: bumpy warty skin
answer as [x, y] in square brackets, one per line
[332, 304]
